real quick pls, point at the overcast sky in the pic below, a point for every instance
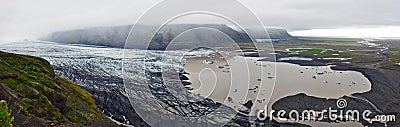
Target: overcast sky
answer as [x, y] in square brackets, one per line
[35, 18]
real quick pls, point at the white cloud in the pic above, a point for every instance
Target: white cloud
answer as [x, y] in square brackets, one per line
[377, 32]
[26, 19]
[35, 18]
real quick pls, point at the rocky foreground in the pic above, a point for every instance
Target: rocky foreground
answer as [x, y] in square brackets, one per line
[32, 95]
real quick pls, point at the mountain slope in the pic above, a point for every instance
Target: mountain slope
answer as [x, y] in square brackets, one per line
[37, 97]
[116, 36]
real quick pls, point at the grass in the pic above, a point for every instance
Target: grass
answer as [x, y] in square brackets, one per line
[312, 51]
[78, 92]
[37, 69]
[13, 84]
[394, 55]
[43, 94]
[5, 115]
[26, 105]
[325, 47]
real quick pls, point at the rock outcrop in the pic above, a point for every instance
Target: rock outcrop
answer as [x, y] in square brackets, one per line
[35, 96]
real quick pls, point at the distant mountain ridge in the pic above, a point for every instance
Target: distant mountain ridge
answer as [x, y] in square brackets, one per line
[116, 36]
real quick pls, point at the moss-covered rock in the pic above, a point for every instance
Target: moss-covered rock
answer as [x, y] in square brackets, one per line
[5, 117]
[37, 97]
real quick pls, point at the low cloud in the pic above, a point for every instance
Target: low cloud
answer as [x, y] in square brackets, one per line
[28, 19]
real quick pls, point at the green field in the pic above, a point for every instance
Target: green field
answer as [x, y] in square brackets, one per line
[339, 48]
[313, 51]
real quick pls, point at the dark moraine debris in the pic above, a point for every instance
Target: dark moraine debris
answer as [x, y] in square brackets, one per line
[183, 77]
[248, 104]
[185, 83]
[189, 88]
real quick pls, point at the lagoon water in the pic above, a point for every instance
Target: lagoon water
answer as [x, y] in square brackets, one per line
[295, 58]
[285, 79]
[289, 79]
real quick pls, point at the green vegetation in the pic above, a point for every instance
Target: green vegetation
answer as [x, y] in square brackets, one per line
[338, 44]
[36, 92]
[361, 57]
[5, 115]
[326, 47]
[394, 54]
[394, 57]
[312, 51]
[340, 50]
[13, 84]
